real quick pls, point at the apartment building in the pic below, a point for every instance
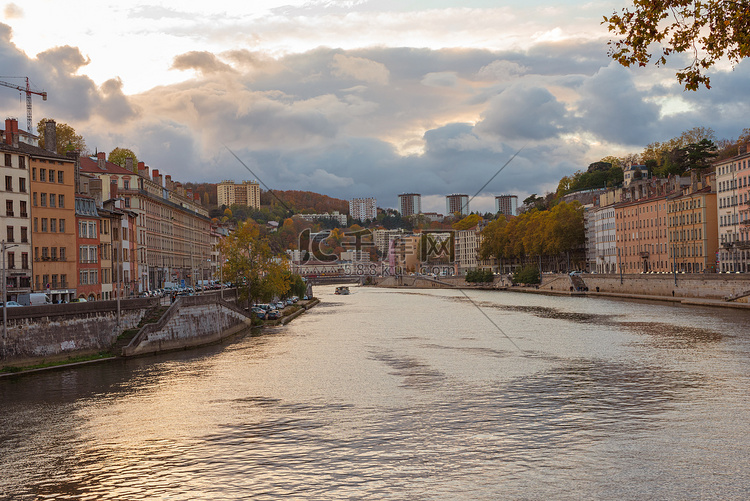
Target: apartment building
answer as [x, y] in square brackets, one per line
[16, 218]
[506, 204]
[168, 240]
[246, 193]
[87, 221]
[363, 209]
[54, 234]
[605, 239]
[641, 235]
[410, 204]
[732, 180]
[693, 231]
[457, 204]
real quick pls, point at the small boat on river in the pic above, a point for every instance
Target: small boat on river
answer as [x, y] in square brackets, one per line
[342, 290]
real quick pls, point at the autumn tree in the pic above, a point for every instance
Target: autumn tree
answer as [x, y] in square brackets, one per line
[118, 156]
[250, 264]
[469, 221]
[705, 30]
[67, 139]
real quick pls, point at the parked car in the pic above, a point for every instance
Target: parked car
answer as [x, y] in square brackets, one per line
[280, 305]
[274, 314]
[10, 304]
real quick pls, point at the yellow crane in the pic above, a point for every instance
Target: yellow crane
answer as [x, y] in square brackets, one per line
[28, 92]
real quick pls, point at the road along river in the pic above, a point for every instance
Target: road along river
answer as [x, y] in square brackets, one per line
[414, 394]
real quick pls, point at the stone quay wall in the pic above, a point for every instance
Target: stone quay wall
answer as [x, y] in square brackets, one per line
[59, 331]
[697, 285]
[190, 321]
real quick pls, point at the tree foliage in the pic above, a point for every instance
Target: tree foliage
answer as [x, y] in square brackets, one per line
[118, 156]
[534, 233]
[67, 139]
[527, 275]
[469, 221]
[705, 30]
[479, 276]
[249, 263]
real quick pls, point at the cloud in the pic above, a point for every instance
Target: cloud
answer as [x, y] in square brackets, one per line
[12, 11]
[442, 79]
[202, 61]
[521, 112]
[612, 108]
[359, 68]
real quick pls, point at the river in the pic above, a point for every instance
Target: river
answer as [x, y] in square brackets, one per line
[409, 394]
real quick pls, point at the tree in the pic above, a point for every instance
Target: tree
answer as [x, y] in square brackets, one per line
[67, 139]
[469, 221]
[118, 156]
[250, 264]
[707, 30]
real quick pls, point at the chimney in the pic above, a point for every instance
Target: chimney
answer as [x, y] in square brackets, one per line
[50, 136]
[168, 182]
[113, 189]
[11, 132]
[101, 159]
[129, 164]
[142, 169]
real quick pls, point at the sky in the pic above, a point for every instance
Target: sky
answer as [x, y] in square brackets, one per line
[355, 98]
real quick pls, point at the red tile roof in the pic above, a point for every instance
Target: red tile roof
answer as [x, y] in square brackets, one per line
[91, 165]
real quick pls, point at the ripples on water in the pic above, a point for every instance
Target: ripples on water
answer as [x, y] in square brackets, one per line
[386, 395]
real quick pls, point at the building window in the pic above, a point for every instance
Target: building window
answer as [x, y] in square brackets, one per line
[62, 226]
[9, 208]
[33, 198]
[53, 253]
[53, 225]
[51, 176]
[36, 225]
[43, 199]
[24, 234]
[45, 256]
[21, 162]
[61, 201]
[54, 281]
[62, 253]
[22, 184]
[44, 225]
[24, 211]
[10, 233]
[8, 183]
[51, 199]
[11, 260]
[127, 201]
[60, 177]
[126, 184]
[63, 280]
[25, 261]
[43, 174]
[33, 173]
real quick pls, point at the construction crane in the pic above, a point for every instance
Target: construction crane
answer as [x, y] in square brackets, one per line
[28, 92]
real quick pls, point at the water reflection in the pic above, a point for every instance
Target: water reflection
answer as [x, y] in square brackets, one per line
[610, 400]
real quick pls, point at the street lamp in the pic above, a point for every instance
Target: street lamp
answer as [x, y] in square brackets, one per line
[5, 247]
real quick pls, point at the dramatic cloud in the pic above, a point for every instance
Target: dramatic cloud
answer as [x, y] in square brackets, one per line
[361, 98]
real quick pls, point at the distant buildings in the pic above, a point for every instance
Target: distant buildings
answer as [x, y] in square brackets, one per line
[410, 204]
[247, 194]
[363, 209]
[335, 215]
[457, 204]
[506, 204]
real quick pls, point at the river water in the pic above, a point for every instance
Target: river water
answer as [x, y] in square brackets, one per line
[385, 394]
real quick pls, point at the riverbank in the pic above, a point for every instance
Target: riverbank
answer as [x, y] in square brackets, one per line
[105, 356]
[718, 303]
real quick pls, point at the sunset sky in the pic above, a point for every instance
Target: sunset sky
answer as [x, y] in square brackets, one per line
[354, 98]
